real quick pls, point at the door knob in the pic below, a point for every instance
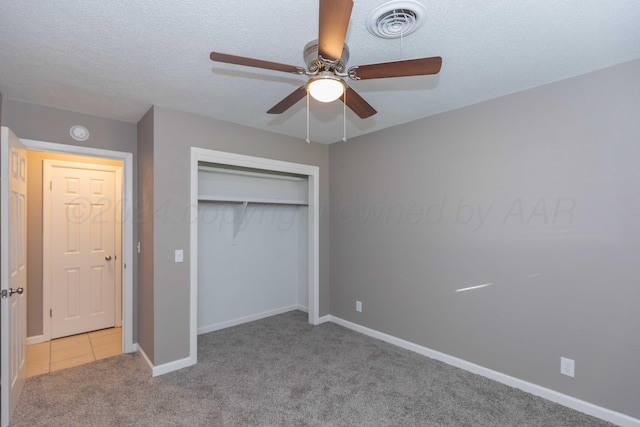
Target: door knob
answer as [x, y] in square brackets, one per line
[6, 293]
[108, 257]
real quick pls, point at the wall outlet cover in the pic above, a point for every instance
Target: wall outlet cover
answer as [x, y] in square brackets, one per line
[359, 306]
[567, 367]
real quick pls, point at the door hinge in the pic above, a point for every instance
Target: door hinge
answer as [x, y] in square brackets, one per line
[125, 265]
[50, 185]
[50, 312]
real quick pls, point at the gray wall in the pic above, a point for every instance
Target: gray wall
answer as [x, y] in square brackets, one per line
[30, 121]
[145, 311]
[173, 135]
[41, 123]
[537, 193]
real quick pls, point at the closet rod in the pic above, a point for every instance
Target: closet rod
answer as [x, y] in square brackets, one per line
[257, 202]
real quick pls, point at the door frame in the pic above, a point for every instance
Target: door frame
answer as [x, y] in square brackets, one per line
[232, 159]
[126, 261]
[47, 283]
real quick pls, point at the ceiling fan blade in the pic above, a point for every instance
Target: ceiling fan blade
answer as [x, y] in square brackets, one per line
[411, 67]
[333, 25]
[258, 63]
[289, 101]
[358, 104]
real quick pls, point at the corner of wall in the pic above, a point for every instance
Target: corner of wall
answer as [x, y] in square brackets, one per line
[145, 251]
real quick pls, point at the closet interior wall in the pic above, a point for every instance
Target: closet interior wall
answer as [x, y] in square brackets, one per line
[252, 245]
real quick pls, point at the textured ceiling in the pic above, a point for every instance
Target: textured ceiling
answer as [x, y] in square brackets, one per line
[116, 58]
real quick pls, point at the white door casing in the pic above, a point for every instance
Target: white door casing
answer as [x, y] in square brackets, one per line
[126, 262]
[313, 229]
[81, 249]
[13, 250]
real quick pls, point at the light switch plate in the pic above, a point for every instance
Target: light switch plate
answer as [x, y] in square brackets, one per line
[179, 255]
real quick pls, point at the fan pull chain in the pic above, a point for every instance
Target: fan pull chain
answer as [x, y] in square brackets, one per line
[308, 140]
[344, 117]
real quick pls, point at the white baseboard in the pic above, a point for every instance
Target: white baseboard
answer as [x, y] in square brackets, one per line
[145, 357]
[166, 367]
[250, 318]
[36, 339]
[325, 319]
[301, 307]
[554, 396]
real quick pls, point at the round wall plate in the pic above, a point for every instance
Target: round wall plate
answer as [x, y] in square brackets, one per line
[79, 133]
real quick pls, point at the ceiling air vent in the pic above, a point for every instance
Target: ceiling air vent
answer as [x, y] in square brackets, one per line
[396, 19]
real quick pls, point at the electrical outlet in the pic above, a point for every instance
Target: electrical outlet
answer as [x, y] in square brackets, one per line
[179, 256]
[359, 306]
[567, 367]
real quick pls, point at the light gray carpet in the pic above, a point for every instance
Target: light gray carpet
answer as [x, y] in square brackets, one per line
[281, 371]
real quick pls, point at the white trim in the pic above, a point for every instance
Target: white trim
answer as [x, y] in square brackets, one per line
[250, 318]
[325, 319]
[166, 367]
[47, 235]
[248, 173]
[36, 339]
[220, 157]
[193, 255]
[175, 365]
[127, 226]
[145, 357]
[299, 307]
[552, 395]
[313, 229]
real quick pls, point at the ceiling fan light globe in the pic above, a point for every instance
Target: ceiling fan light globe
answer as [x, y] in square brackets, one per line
[326, 88]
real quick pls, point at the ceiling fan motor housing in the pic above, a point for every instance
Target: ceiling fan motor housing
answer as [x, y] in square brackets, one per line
[315, 63]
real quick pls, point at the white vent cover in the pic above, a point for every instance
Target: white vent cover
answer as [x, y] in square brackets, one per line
[396, 19]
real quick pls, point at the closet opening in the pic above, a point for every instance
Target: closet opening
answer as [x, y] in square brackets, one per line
[254, 240]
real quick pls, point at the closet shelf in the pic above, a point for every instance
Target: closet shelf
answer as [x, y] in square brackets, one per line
[235, 199]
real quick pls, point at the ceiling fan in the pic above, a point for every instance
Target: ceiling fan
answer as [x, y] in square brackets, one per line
[326, 60]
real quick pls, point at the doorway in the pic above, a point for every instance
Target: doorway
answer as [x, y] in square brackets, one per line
[125, 260]
[74, 213]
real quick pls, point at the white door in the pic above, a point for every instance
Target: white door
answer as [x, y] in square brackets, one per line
[13, 250]
[81, 247]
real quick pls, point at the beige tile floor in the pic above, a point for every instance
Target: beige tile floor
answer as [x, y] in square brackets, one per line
[72, 351]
